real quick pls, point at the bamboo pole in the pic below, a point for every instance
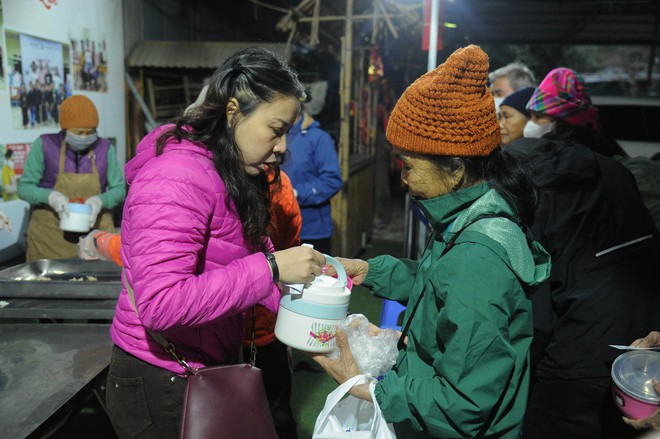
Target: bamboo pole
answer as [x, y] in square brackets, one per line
[388, 20]
[358, 83]
[340, 204]
[314, 34]
[374, 24]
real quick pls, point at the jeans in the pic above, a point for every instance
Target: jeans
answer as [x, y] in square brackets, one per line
[143, 401]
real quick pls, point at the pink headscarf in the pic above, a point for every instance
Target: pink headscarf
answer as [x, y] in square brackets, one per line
[562, 96]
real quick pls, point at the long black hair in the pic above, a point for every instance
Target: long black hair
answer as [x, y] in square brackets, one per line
[503, 172]
[252, 76]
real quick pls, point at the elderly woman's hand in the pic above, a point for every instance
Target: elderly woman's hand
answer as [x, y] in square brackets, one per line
[344, 367]
[652, 340]
[356, 268]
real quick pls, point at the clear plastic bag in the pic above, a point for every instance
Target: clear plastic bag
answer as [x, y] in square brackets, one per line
[374, 354]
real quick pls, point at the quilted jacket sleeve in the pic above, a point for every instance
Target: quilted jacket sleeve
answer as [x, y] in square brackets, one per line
[391, 278]
[174, 209]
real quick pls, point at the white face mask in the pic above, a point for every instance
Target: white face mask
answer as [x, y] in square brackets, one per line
[498, 102]
[79, 142]
[535, 130]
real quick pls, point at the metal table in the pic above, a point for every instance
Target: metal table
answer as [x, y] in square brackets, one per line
[47, 373]
[60, 289]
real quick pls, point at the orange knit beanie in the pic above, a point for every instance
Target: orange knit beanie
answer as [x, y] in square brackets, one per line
[78, 111]
[449, 110]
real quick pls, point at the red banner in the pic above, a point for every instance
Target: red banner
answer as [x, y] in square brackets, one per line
[21, 151]
[426, 34]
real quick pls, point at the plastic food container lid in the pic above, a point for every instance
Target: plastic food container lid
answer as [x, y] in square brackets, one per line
[633, 372]
[80, 208]
[328, 290]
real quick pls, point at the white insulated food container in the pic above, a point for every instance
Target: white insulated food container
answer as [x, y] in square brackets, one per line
[308, 321]
[78, 219]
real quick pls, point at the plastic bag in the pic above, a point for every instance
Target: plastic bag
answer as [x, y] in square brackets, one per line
[352, 417]
[374, 355]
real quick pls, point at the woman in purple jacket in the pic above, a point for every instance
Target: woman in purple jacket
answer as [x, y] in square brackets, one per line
[194, 239]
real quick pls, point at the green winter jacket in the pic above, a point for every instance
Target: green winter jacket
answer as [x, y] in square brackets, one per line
[465, 370]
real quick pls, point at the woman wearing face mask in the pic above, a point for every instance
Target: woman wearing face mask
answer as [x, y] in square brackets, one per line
[603, 282]
[570, 118]
[513, 115]
[561, 110]
[72, 164]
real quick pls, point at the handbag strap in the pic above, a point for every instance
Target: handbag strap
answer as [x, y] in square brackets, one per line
[169, 347]
[400, 344]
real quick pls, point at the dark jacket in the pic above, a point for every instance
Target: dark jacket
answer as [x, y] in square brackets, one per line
[605, 252]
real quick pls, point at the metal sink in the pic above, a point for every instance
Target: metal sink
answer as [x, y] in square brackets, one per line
[61, 279]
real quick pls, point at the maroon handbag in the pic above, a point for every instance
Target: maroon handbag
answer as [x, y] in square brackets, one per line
[226, 402]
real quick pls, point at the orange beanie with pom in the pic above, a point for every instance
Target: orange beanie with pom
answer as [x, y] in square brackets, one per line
[449, 110]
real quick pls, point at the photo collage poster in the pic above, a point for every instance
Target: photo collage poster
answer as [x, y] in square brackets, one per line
[40, 73]
[50, 50]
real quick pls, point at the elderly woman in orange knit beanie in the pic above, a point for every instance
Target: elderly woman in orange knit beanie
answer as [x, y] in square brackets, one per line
[72, 165]
[463, 364]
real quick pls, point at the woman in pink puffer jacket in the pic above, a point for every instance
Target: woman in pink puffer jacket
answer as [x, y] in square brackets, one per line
[194, 239]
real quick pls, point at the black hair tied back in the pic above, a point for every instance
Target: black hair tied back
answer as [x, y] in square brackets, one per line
[252, 76]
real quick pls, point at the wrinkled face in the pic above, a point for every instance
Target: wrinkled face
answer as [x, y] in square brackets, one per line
[262, 134]
[423, 178]
[500, 88]
[512, 123]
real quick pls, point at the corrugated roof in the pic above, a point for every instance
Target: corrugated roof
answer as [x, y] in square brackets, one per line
[190, 55]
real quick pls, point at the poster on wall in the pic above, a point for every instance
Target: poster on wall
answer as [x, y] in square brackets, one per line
[20, 152]
[3, 75]
[44, 82]
[89, 60]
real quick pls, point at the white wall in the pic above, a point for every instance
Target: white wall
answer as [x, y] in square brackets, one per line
[59, 21]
